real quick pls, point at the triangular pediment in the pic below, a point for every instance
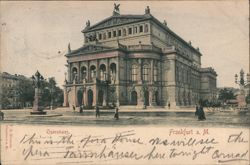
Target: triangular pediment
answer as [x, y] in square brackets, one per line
[89, 49]
[116, 20]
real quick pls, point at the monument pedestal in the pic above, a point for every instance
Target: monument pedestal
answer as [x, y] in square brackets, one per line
[37, 108]
[241, 101]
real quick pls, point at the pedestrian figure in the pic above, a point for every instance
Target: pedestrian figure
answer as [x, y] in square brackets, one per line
[97, 111]
[168, 105]
[196, 110]
[200, 112]
[116, 116]
[81, 108]
[1, 115]
[74, 108]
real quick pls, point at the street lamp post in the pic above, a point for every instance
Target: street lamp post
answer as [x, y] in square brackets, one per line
[242, 83]
[37, 107]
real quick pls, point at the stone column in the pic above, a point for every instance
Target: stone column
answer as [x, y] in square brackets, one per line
[151, 71]
[108, 85]
[104, 103]
[65, 98]
[97, 70]
[139, 72]
[140, 97]
[117, 83]
[172, 71]
[88, 73]
[153, 102]
[95, 94]
[69, 73]
[117, 72]
[117, 96]
[85, 96]
[162, 99]
[75, 102]
[79, 73]
[151, 97]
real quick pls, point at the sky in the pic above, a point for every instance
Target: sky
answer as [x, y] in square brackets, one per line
[35, 35]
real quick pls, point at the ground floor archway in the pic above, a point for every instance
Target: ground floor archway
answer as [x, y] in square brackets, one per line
[146, 98]
[90, 97]
[157, 100]
[133, 100]
[80, 97]
[100, 97]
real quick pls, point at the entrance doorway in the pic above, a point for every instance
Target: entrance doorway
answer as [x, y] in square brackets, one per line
[146, 98]
[157, 101]
[80, 97]
[100, 97]
[90, 97]
[134, 98]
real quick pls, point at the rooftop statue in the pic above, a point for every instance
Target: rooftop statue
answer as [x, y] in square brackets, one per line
[147, 10]
[165, 23]
[69, 49]
[116, 8]
[88, 23]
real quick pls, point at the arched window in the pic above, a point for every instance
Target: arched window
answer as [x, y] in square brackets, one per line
[113, 72]
[134, 72]
[145, 72]
[102, 72]
[92, 72]
[83, 72]
[155, 72]
[74, 74]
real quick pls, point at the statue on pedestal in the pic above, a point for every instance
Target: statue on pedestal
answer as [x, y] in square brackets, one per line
[37, 105]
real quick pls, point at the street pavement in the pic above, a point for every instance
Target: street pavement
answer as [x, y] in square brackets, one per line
[130, 117]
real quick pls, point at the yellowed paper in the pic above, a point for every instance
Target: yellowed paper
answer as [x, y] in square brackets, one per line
[24, 144]
[35, 35]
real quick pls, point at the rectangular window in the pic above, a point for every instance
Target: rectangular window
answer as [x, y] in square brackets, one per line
[104, 36]
[119, 33]
[155, 73]
[114, 33]
[135, 30]
[145, 73]
[124, 32]
[141, 29]
[129, 30]
[100, 36]
[109, 34]
[134, 73]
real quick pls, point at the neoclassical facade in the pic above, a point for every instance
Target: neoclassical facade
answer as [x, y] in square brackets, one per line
[135, 60]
